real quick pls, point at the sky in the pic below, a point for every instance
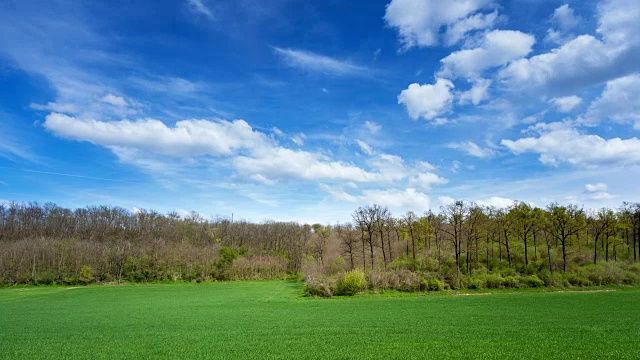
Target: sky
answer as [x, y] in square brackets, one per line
[293, 110]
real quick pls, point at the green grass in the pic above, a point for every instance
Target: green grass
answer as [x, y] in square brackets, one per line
[269, 320]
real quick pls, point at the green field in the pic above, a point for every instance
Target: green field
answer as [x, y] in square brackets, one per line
[270, 320]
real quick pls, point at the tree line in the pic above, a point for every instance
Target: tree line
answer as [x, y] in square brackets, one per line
[51, 244]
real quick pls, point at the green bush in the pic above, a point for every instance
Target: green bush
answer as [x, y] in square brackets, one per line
[86, 274]
[227, 255]
[511, 282]
[494, 281]
[435, 285]
[351, 283]
[534, 281]
[471, 282]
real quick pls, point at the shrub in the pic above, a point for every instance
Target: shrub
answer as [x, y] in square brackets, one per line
[511, 282]
[494, 281]
[471, 282]
[435, 285]
[318, 287]
[227, 255]
[351, 283]
[405, 280]
[534, 281]
[86, 274]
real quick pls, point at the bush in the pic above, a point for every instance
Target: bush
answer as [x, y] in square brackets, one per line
[318, 287]
[534, 281]
[494, 281]
[435, 285]
[471, 282]
[227, 255]
[86, 274]
[351, 283]
[511, 282]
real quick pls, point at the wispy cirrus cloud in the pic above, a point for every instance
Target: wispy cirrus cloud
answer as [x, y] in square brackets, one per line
[198, 7]
[310, 61]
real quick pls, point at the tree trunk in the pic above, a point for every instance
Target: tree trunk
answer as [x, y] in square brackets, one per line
[506, 243]
[371, 247]
[564, 254]
[384, 254]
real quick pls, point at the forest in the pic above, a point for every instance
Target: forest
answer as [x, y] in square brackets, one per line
[463, 246]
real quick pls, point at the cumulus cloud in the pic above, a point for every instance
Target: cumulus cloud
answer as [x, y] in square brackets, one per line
[620, 102]
[566, 103]
[559, 143]
[478, 93]
[186, 138]
[114, 100]
[596, 187]
[497, 48]
[585, 60]
[472, 149]
[408, 198]
[307, 60]
[457, 31]
[419, 22]
[427, 180]
[496, 201]
[253, 155]
[597, 191]
[427, 101]
[564, 20]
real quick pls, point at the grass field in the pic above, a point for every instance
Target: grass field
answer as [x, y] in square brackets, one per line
[269, 320]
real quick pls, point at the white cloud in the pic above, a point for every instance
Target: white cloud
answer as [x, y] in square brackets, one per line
[314, 62]
[597, 192]
[601, 195]
[198, 7]
[478, 93]
[418, 22]
[408, 199]
[497, 48]
[299, 139]
[564, 20]
[373, 127]
[277, 132]
[446, 200]
[566, 103]
[186, 138]
[472, 149]
[365, 147]
[558, 143]
[66, 108]
[455, 165]
[620, 102]
[596, 187]
[457, 31]
[585, 60]
[114, 100]
[496, 201]
[427, 101]
[425, 166]
[426, 180]
[253, 155]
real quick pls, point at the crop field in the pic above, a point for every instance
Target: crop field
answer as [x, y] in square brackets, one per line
[270, 319]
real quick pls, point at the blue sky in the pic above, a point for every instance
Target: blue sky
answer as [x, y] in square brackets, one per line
[303, 111]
